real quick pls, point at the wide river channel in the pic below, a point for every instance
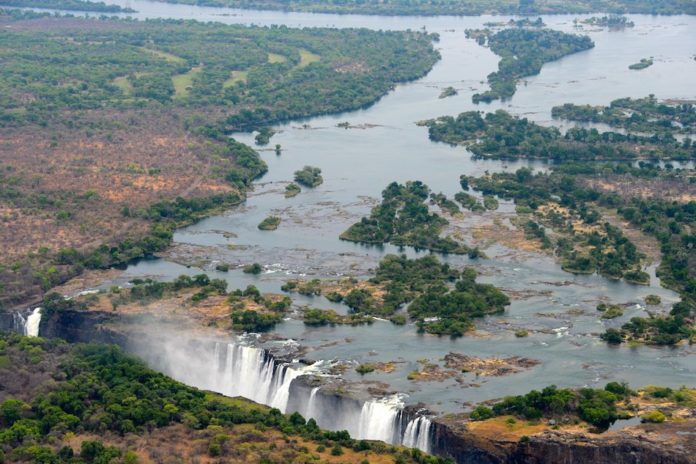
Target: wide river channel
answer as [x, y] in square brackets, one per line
[386, 145]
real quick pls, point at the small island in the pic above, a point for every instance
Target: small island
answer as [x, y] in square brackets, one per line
[292, 190]
[270, 223]
[642, 64]
[309, 176]
[613, 22]
[263, 137]
[448, 92]
[403, 219]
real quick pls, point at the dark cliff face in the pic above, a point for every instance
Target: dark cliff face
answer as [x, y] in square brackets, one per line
[81, 327]
[7, 321]
[455, 441]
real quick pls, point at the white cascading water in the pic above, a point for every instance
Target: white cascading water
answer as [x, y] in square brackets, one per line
[311, 404]
[378, 420]
[417, 434]
[33, 322]
[28, 326]
[237, 369]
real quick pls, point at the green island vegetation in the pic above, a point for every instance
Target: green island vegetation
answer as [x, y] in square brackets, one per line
[598, 407]
[78, 404]
[638, 115]
[585, 244]
[270, 223]
[403, 219]
[365, 368]
[67, 5]
[524, 22]
[614, 22]
[653, 300]
[444, 203]
[254, 312]
[572, 189]
[254, 268]
[458, 7]
[501, 135]
[523, 52]
[107, 105]
[610, 311]
[264, 136]
[309, 176]
[441, 300]
[222, 267]
[321, 317]
[448, 92]
[642, 64]
[292, 190]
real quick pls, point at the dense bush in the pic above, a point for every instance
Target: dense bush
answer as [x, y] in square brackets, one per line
[524, 51]
[403, 219]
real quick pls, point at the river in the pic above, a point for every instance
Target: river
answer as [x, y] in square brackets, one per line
[557, 307]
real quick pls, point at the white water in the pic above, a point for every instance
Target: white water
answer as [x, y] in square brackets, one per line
[250, 372]
[236, 369]
[417, 434]
[378, 420]
[28, 326]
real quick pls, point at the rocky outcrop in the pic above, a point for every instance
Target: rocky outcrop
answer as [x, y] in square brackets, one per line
[671, 443]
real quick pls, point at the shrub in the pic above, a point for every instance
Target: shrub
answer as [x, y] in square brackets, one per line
[366, 368]
[481, 413]
[653, 417]
[253, 269]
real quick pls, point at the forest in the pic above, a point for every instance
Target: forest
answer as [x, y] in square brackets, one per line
[501, 135]
[403, 219]
[671, 222]
[86, 403]
[523, 52]
[440, 299]
[459, 7]
[584, 243]
[637, 114]
[68, 5]
[267, 74]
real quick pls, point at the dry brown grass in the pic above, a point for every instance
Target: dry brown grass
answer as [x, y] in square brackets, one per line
[109, 160]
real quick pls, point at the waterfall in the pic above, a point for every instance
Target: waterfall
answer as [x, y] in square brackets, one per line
[382, 419]
[29, 325]
[417, 434]
[33, 321]
[237, 369]
[378, 420]
[311, 404]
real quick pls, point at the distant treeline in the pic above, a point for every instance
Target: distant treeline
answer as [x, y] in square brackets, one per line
[459, 7]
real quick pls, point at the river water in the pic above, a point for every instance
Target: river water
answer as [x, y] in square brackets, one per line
[557, 307]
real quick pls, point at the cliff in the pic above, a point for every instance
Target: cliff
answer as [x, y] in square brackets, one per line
[667, 443]
[82, 327]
